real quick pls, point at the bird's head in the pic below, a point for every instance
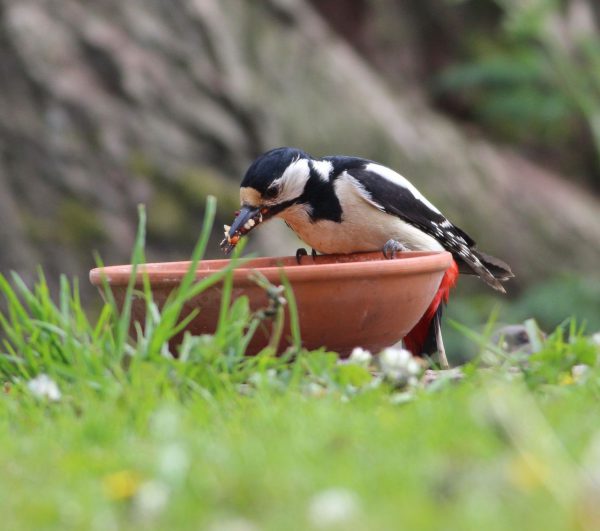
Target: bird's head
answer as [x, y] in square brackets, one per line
[274, 182]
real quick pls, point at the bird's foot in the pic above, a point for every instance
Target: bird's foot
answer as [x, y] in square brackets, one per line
[392, 247]
[300, 253]
[303, 252]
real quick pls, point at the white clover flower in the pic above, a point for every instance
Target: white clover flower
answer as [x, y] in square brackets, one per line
[333, 507]
[314, 389]
[360, 356]
[402, 398]
[394, 357]
[399, 366]
[173, 462]
[413, 367]
[580, 372]
[151, 499]
[165, 423]
[596, 339]
[44, 387]
[268, 377]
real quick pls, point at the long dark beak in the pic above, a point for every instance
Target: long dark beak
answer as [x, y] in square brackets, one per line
[245, 215]
[246, 219]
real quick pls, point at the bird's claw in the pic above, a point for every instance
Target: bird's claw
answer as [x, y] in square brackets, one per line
[300, 253]
[303, 252]
[392, 247]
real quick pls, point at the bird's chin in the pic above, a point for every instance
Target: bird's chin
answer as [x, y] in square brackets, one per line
[247, 219]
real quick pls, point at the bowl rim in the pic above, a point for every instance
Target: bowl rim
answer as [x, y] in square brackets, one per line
[334, 266]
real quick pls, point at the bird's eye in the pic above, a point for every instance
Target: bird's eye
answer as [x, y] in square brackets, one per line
[271, 192]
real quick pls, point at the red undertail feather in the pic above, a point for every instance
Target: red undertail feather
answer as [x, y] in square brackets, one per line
[415, 339]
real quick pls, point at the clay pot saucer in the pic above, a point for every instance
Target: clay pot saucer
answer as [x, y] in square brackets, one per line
[343, 301]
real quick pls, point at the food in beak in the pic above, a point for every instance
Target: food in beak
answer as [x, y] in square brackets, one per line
[246, 219]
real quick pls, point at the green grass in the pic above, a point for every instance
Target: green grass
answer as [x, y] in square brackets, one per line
[215, 440]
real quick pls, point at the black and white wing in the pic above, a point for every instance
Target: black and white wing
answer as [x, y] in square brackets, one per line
[390, 192]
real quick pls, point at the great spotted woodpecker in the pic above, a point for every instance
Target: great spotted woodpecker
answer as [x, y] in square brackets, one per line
[342, 204]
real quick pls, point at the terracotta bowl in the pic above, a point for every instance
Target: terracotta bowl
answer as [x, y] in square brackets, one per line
[343, 301]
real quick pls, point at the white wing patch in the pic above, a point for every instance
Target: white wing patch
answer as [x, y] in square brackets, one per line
[323, 168]
[293, 180]
[359, 188]
[396, 178]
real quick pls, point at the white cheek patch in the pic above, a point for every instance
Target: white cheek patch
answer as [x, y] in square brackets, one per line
[396, 178]
[293, 180]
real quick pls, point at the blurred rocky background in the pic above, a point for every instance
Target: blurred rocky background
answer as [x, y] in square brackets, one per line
[492, 108]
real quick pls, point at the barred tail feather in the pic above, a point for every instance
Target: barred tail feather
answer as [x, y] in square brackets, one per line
[490, 269]
[501, 270]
